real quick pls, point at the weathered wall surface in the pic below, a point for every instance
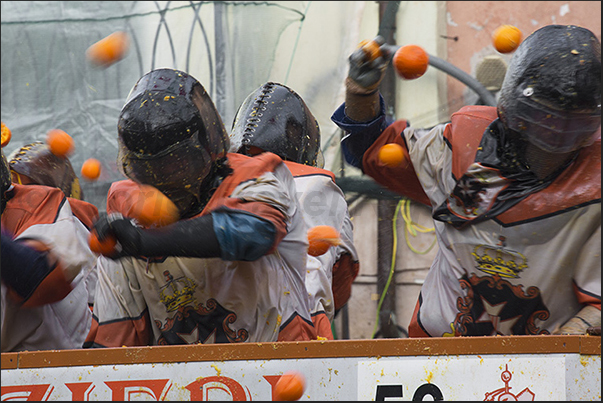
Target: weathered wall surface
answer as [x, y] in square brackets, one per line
[473, 23]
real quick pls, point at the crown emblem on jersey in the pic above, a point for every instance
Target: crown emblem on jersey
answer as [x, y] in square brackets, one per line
[497, 260]
[177, 292]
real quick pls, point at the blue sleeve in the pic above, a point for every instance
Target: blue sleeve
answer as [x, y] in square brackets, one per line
[359, 135]
[243, 236]
[23, 268]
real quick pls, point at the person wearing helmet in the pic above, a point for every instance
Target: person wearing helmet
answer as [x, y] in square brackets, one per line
[230, 270]
[275, 118]
[35, 164]
[48, 270]
[515, 191]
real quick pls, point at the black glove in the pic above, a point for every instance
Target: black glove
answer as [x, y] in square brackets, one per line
[368, 73]
[186, 238]
[124, 230]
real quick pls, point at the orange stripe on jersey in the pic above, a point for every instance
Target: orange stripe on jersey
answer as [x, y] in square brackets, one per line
[297, 329]
[586, 298]
[414, 329]
[322, 325]
[245, 169]
[465, 134]
[577, 186]
[31, 205]
[306, 170]
[127, 332]
[401, 179]
[345, 271]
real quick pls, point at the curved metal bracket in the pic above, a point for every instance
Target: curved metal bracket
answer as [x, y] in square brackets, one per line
[457, 73]
[463, 77]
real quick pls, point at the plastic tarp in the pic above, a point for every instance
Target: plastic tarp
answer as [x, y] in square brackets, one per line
[230, 47]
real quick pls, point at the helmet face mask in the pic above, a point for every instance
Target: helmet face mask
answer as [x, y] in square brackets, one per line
[551, 94]
[552, 130]
[171, 137]
[274, 118]
[177, 171]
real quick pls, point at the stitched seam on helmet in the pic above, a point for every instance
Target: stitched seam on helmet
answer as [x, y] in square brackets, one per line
[259, 105]
[23, 151]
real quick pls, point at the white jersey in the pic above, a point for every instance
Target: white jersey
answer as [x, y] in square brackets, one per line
[526, 271]
[516, 256]
[323, 203]
[194, 300]
[43, 213]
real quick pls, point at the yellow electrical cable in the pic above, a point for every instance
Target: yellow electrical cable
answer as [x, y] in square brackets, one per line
[412, 228]
[409, 222]
[393, 265]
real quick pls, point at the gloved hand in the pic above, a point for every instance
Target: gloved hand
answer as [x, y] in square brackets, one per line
[367, 66]
[186, 238]
[124, 230]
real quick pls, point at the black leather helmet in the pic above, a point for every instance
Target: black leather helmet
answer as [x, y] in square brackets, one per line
[275, 118]
[551, 93]
[42, 167]
[171, 136]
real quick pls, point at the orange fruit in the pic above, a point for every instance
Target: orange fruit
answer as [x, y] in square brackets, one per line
[109, 50]
[371, 49]
[290, 386]
[155, 208]
[91, 169]
[59, 142]
[506, 38]
[104, 247]
[410, 61]
[391, 154]
[6, 135]
[321, 238]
